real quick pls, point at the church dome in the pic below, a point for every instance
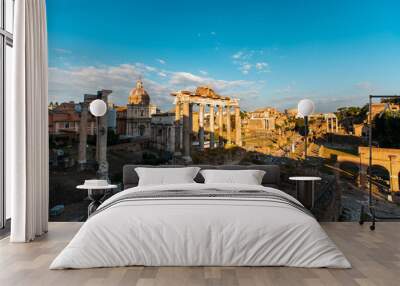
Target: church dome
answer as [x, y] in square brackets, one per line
[139, 95]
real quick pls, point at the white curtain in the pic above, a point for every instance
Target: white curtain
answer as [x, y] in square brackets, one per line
[26, 120]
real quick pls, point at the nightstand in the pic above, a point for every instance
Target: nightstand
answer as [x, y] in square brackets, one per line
[305, 189]
[97, 190]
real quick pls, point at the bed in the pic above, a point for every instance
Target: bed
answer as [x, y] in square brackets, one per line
[197, 224]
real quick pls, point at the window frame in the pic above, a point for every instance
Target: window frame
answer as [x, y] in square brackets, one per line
[6, 39]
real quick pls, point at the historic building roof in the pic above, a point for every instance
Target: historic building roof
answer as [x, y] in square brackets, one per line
[205, 91]
[202, 91]
[139, 95]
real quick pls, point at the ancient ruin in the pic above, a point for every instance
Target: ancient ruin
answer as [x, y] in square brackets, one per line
[205, 98]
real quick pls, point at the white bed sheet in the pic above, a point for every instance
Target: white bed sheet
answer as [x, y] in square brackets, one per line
[200, 232]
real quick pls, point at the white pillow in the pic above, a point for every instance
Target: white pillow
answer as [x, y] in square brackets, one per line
[166, 176]
[248, 177]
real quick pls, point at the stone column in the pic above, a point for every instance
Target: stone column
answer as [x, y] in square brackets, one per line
[395, 179]
[171, 139]
[152, 142]
[238, 126]
[327, 125]
[83, 135]
[163, 141]
[186, 130]
[92, 127]
[212, 127]
[201, 126]
[220, 126]
[337, 125]
[394, 170]
[102, 142]
[228, 124]
[178, 128]
[191, 120]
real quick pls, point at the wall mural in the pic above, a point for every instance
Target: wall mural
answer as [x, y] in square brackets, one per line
[221, 109]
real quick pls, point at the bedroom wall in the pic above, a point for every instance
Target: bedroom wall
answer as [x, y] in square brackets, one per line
[223, 90]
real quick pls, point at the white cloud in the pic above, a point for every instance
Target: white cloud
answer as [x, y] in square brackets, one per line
[237, 55]
[161, 61]
[261, 66]
[365, 85]
[203, 72]
[245, 67]
[62, 51]
[189, 81]
[246, 61]
[71, 83]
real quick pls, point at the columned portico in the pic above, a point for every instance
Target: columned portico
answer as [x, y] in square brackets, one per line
[332, 123]
[204, 97]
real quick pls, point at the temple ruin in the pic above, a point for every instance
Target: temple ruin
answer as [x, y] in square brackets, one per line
[213, 107]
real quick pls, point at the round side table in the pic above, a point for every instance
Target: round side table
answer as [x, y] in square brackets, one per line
[96, 194]
[305, 188]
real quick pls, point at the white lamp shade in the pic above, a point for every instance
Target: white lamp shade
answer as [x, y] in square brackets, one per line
[98, 107]
[305, 107]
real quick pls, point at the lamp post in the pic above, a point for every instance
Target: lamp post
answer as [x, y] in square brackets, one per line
[98, 108]
[305, 108]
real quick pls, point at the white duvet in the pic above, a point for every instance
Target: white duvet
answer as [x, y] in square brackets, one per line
[193, 231]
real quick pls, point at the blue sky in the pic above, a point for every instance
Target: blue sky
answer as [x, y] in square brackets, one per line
[267, 53]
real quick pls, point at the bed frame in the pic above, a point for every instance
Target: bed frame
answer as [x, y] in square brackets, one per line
[270, 179]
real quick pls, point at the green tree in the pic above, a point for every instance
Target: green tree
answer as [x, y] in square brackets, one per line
[348, 116]
[386, 129]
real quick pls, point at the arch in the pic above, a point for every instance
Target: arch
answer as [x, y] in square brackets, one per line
[380, 175]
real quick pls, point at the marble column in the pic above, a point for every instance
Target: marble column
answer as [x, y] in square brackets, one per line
[327, 125]
[238, 126]
[220, 126]
[212, 127]
[186, 129]
[177, 128]
[83, 135]
[201, 126]
[228, 124]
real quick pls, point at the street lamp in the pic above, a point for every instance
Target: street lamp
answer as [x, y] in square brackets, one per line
[98, 108]
[305, 108]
